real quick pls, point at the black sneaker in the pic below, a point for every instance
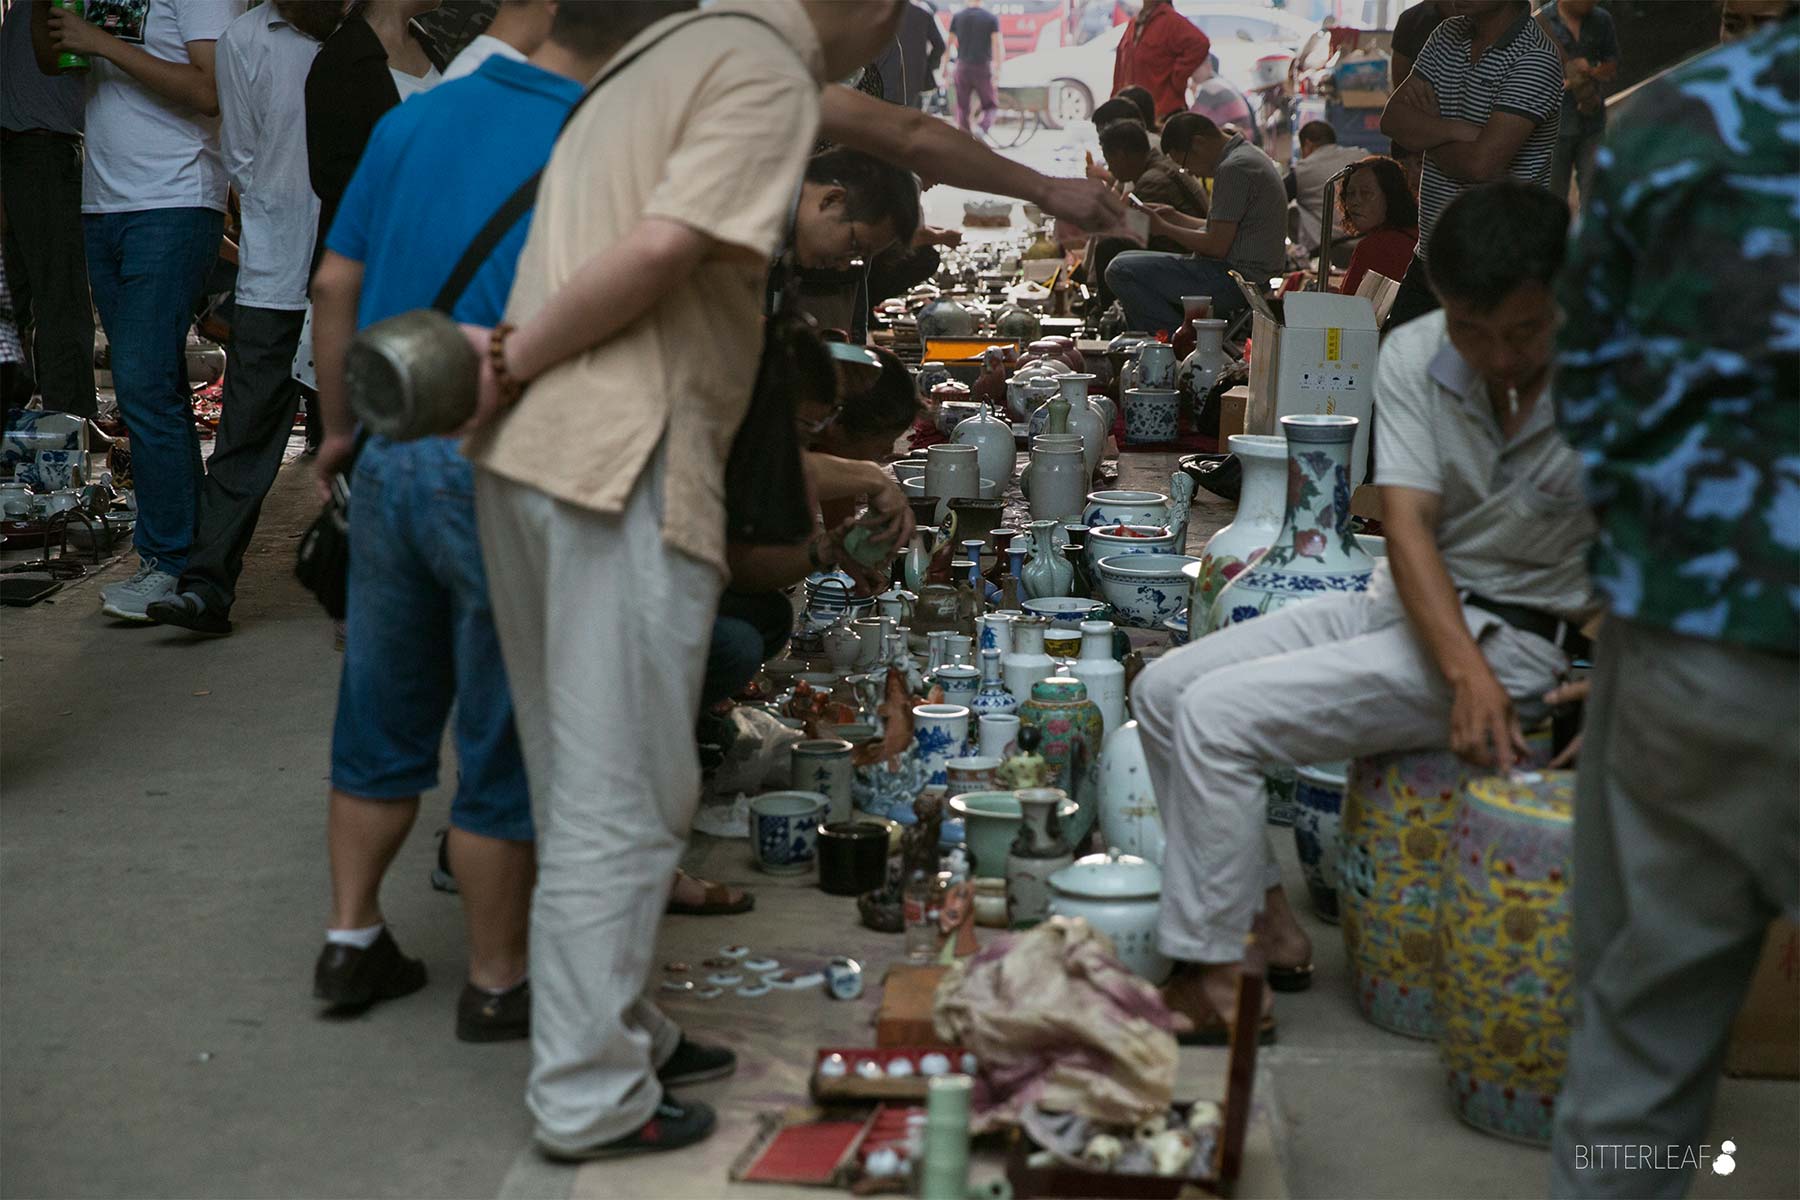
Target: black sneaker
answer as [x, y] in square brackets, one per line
[484, 1016]
[677, 1123]
[696, 1062]
[351, 978]
[441, 877]
[187, 610]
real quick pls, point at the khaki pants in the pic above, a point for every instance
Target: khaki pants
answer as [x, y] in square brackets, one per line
[605, 632]
[1687, 843]
[1317, 682]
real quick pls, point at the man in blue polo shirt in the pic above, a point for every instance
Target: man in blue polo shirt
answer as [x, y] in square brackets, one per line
[420, 635]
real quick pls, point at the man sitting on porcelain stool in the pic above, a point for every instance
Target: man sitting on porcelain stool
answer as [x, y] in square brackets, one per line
[1465, 622]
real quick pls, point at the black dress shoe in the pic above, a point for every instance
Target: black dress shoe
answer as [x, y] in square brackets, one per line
[351, 977]
[696, 1062]
[484, 1016]
[676, 1123]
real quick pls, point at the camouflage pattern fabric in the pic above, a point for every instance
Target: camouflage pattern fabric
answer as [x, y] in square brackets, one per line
[1679, 362]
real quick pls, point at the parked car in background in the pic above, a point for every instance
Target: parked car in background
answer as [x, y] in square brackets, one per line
[1079, 77]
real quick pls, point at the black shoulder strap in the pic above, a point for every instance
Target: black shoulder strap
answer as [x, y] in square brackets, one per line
[522, 199]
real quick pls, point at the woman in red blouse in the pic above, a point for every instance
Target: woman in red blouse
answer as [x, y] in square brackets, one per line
[1374, 201]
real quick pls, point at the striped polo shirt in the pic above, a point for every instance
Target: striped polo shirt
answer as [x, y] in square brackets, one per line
[1520, 74]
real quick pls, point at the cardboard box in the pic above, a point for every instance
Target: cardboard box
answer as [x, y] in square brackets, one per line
[1765, 1040]
[1232, 408]
[1313, 352]
[908, 995]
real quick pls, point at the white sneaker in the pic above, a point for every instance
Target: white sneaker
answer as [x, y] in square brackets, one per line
[145, 566]
[130, 599]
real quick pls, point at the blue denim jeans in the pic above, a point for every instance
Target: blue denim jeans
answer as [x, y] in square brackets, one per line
[419, 640]
[146, 270]
[1150, 285]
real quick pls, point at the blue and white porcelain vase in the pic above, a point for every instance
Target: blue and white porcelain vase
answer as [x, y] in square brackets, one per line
[993, 699]
[940, 733]
[1316, 552]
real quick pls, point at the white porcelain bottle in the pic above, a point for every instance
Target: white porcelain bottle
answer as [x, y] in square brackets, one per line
[1026, 663]
[1103, 674]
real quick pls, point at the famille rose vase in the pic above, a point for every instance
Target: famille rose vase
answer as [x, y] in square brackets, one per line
[1315, 553]
[1073, 732]
[1262, 499]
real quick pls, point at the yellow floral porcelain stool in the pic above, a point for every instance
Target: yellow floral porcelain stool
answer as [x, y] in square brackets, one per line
[1503, 987]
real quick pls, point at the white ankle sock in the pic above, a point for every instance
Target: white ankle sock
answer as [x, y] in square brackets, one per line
[362, 939]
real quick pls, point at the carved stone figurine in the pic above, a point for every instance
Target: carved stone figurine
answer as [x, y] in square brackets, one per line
[881, 910]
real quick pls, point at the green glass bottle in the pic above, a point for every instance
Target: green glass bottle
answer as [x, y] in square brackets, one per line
[66, 62]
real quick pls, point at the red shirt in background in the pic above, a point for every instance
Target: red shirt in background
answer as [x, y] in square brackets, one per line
[1387, 251]
[1160, 54]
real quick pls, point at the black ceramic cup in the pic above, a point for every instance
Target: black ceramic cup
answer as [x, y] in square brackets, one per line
[852, 857]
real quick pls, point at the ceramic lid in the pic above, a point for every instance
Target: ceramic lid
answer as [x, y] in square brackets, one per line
[1059, 689]
[1109, 876]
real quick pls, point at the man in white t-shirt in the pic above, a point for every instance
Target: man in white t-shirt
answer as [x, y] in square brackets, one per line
[519, 27]
[263, 59]
[153, 209]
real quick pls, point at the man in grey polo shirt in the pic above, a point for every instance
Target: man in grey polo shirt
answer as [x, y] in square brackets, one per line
[1246, 230]
[1463, 627]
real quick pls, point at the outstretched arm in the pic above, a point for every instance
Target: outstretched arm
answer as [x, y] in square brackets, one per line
[942, 153]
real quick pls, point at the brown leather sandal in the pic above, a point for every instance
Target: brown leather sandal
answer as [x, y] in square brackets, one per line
[718, 902]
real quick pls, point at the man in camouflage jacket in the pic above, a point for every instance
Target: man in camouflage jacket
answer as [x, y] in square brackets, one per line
[1679, 385]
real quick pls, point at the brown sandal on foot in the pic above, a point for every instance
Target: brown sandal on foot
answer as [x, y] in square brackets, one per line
[718, 902]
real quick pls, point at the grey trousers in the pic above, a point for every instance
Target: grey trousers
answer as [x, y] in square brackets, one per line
[605, 631]
[1317, 682]
[46, 266]
[258, 406]
[1687, 843]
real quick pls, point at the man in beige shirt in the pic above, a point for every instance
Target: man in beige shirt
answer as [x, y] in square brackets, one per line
[600, 495]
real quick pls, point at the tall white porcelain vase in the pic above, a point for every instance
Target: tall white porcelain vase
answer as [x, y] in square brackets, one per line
[1156, 366]
[1103, 674]
[1084, 419]
[1027, 662]
[1315, 553]
[1262, 500]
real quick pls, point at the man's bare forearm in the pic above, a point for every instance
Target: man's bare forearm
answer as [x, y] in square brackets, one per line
[606, 295]
[844, 478]
[1429, 596]
[935, 149]
[336, 289]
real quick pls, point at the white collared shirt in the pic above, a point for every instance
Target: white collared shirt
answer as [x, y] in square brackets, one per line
[262, 66]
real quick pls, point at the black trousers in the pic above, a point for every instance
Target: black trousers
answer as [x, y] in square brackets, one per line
[258, 405]
[46, 264]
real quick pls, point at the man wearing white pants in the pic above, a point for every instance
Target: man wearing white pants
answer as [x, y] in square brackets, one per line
[1464, 622]
[599, 493]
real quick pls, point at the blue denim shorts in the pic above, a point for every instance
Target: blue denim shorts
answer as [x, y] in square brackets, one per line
[420, 642]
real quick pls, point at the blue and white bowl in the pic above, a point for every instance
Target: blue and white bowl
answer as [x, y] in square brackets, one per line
[1065, 612]
[1177, 626]
[784, 830]
[1145, 589]
[1143, 539]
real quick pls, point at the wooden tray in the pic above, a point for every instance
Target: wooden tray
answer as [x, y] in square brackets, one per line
[854, 1088]
[1059, 1180]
